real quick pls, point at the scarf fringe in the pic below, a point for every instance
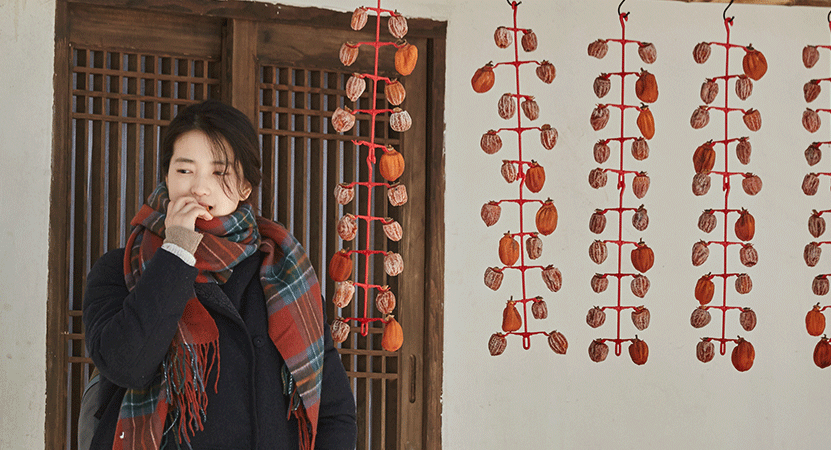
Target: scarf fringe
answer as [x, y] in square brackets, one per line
[187, 371]
[304, 425]
[304, 428]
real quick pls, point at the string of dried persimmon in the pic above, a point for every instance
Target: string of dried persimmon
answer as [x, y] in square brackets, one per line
[642, 256]
[390, 165]
[529, 175]
[754, 66]
[815, 319]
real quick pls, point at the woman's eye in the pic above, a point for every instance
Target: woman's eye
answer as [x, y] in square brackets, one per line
[219, 173]
[183, 171]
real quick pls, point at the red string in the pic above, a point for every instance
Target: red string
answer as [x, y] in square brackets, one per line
[724, 243]
[723, 308]
[726, 184]
[379, 10]
[520, 201]
[624, 41]
[519, 130]
[603, 211]
[525, 300]
[725, 141]
[726, 109]
[722, 340]
[373, 77]
[364, 321]
[367, 253]
[726, 77]
[620, 243]
[522, 268]
[370, 164]
[368, 218]
[526, 337]
[619, 309]
[367, 184]
[620, 139]
[369, 144]
[622, 107]
[618, 341]
[523, 233]
[374, 112]
[377, 45]
[516, 63]
[621, 172]
[725, 276]
[367, 286]
[726, 211]
[620, 74]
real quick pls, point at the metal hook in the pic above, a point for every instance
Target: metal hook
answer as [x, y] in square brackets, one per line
[513, 4]
[619, 6]
[829, 16]
[724, 14]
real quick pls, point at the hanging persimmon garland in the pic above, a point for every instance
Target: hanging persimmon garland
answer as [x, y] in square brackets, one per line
[391, 166]
[705, 157]
[815, 319]
[642, 256]
[514, 247]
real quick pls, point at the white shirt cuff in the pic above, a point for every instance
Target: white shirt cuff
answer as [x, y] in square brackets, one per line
[183, 254]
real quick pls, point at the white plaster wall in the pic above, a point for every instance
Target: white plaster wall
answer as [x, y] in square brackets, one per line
[533, 399]
[27, 45]
[536, 399]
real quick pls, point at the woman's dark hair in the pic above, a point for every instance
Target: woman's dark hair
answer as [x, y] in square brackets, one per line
[221, 123]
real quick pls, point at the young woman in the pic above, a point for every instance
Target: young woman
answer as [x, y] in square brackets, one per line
[208, 328]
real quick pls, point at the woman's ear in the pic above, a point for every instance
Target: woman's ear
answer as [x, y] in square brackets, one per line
[245, 192]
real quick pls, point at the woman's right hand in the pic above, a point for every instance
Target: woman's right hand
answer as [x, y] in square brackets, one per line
[184, 211]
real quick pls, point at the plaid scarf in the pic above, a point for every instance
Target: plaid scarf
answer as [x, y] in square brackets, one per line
[295, 324]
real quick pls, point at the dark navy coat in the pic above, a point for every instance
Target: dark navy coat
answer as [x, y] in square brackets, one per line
[128, 335]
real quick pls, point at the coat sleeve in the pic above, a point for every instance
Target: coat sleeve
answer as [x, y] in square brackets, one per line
[128, 333]
[337, 427]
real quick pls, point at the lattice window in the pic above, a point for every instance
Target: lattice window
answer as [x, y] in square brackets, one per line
[121, 102]
[304, 158]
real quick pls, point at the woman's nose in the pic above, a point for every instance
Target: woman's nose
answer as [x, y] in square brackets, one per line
[201, 186]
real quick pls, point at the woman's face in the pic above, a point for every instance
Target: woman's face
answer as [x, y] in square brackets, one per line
[195, 172]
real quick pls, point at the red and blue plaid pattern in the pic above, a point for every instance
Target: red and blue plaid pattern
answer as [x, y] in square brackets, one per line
[295, 321]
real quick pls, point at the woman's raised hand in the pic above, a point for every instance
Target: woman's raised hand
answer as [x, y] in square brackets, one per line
[184, 211]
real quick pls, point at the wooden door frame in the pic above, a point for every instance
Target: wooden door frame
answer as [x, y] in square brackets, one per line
[239, 15]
